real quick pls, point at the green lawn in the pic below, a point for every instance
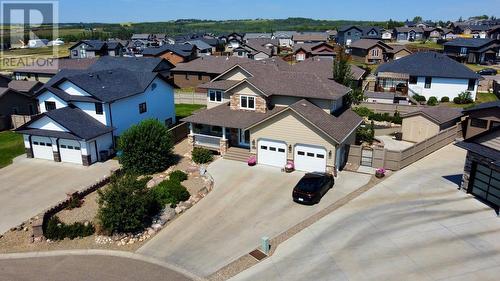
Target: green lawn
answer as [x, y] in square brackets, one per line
[480, 98]
[11, 146]
[185, 110]
[425, 45]
[476, 67]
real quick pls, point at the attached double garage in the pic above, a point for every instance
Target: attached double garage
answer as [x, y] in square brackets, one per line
[311, 150]
[485, 184]
[65, 150]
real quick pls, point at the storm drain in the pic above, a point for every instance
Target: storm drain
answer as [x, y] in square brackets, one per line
[258, 255]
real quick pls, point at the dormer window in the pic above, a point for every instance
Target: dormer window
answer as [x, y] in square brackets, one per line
[247, 102]
[50, 105]
[98, 108]
[215, 96]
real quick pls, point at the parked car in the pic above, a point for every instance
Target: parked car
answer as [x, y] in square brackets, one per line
[312, 187]
[488, 71]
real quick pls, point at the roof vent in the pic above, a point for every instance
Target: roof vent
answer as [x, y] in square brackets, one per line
[91, 75]
[303, 104]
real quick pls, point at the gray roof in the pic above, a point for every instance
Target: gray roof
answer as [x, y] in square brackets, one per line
[369, 43]
[486, 144]
[256, 35]
[338, 128]
[80, 124]
[310, 36]
[209, 64]
[405, 29]
[200, 44]
[430, 64]
[183, 50]
[485, 105]
[222, 115]
[323, 68]
[380, 95]
[25, 86]
[57, 65]
[469, 42]
[438, 114]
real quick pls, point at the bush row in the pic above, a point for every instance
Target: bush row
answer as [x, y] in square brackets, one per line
[57, 230]
[366, 112]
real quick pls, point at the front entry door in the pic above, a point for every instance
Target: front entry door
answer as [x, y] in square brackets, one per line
[244, 138]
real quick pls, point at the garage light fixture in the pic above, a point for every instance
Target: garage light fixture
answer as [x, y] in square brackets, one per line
[253, 144]
[330, 154]
[289, 147]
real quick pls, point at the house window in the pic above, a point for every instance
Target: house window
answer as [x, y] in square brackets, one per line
[301, 56]
[428, 82]
[413, 80]
[463, 51]
[142, 108]
[479, 123]
[74, 53]
[215, 96]
[199, 77]
[50, 105]
[348, 33]
[375, 52]
[98, 108]
[472, 85]
[216, 129]
[186, 76]
[247, 102]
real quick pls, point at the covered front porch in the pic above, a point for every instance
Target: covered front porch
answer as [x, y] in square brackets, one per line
[218, 138]
[392, 82]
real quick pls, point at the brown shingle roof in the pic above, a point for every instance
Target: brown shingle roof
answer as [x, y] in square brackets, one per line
[312, 36]
[209, 64]
[323, 67]
[219, 84]
[338, 128]
[222, 115]
[25, 86]
[438, 114]
[57, 65]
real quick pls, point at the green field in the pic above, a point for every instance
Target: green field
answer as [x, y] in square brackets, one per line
[11, 146]
[17, 58]
[185, 110]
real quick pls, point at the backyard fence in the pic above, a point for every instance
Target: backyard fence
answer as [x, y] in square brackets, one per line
[389, 108]
[190, 98]
[19, 120]
[397, 160]
[179, 132]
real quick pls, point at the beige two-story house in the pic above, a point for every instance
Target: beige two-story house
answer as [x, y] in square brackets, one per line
[279, 115]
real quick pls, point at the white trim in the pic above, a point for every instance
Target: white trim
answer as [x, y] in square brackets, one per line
[248, 98]
[215, 97]
[243, 81]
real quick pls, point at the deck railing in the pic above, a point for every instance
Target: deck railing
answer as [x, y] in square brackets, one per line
[207, 141]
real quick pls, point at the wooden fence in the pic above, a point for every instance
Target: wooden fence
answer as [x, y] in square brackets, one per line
[179, 132]
[397, 160]
[190, 98]
[19, 120]
[389, 108]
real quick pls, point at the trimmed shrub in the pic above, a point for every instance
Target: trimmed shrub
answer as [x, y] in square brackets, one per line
[146, 148]
[445, 99]
[74, 202]
[397, 118]
[362, 111]
[178, 176]
[202, 155]
[463, 98]
[57, 230]
[432, 101]
[170, 192]
[126, 205]
[365, 133]
[419, 98]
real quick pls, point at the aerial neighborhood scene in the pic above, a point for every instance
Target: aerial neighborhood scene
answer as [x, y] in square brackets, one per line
[186, 140]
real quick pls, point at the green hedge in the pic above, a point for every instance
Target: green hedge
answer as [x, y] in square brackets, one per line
[366, 112]
[178, 176]
[57, 230]
[170, 192]
[202, 155]
[432, 101]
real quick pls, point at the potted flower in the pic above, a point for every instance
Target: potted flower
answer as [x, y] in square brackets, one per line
[380, 173]
[252, 161]
[289, 167]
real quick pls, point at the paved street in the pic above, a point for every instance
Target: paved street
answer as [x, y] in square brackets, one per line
[246, 204]
[29, 186]
[84, 268]
[415, 225]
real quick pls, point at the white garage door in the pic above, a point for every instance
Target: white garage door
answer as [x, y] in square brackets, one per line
[70, 151]
[42, 148]
[310, 158]
[272, 153]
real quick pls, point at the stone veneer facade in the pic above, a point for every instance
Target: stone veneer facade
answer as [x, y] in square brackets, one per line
[57, 156]
[29, 152]
[86, 160]
[260, 103]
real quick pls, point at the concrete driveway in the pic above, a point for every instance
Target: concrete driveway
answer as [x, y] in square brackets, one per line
[415, 225]
[29, 186]
[246, 204]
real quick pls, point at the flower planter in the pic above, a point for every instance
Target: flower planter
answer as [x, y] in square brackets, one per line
[380, 173]
[289, 167]
[252, 161]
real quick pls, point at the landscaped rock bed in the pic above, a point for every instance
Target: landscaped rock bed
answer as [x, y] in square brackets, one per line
[20, 239]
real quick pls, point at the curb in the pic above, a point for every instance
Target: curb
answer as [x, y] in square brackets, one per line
[95, 252]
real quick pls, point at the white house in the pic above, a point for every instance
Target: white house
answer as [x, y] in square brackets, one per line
[427, 74]
[82, 112]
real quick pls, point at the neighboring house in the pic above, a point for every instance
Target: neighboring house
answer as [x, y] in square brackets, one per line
[285, 38]
[232, 41]
[175, 53]
[494, 32]
[25, 86]
[482, 141]
[4, 80]
[471, 50]
[384, 97]
[386, 35]
[429, 121]
[44, 72]
[372, 51]
[349, 34]
[82, 112]
[481, 118]
[408, 34]
[17, 98]
[304, 51]
[261, 35]
[257, 49]
[473, 31]
[427, 74]
[202, 48]
[310, 37]
[95, 48]
[435, 33]
[202, 70]
[141, 41]
[252, 108]
[332, 35]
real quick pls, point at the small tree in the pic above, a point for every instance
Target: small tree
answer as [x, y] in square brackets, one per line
[126, 205]
[463, 98]
[356, 96]
[146, 148]
[342, 69]
[432, 101]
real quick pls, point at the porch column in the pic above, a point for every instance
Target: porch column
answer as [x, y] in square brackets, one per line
[191, 128]
[191, 135]
[224, 133]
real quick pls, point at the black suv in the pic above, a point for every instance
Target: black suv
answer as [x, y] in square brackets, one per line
[312, 187]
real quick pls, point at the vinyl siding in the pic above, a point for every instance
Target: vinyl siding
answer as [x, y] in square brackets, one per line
[279, 127]
[418, 128]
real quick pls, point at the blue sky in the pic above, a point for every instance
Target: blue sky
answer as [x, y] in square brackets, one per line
[163, 10]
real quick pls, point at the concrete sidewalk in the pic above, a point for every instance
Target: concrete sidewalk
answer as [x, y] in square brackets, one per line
[415, 225]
